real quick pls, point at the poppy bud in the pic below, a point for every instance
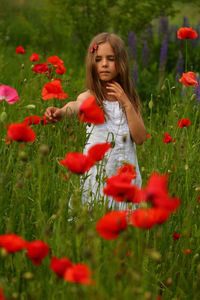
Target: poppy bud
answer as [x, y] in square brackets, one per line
[25, 80]
[163, 88]
[173, 88]
[44, 149]
[148, 296]
[4, 253]
[124, 137]
[28, 275]
[15, 295]
[150, 104]
[169, 281]
[22, 66]
[30, 106]
[23, 156]
[3, 117]
[193, 97]
[28, 172]
[155, 255]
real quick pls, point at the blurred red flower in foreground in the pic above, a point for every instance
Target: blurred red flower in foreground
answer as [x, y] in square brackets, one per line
[188, 79]
[9, 94]
[176, 236]
[12, 242]
[91, 112]
[1, 294]
[146, 218]
[34, 57]
[33, 120]
[77, 162]
[97, 151]
[59, 266]
[20, 50]
[36, 251]
[120, 188]
[79, 273]
[53, 90]
[156, 193]
[167, 138]
[111, 224]
[130, 169]
[184, 123]
[186, 33]
[20, 132]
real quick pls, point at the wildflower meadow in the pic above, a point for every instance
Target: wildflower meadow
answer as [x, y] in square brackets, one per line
[53, 246]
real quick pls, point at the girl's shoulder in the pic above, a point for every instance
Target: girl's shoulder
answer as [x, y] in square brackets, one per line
[83, 96]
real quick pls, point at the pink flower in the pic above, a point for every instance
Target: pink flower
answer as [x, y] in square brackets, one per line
[9, 94]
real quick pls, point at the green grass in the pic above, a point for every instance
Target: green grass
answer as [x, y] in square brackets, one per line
[34, 200]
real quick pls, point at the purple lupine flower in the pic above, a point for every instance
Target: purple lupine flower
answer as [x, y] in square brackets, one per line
[185, 22]
[163, 26]
[197, 90]
[135, 77]
[180, 66]
[183, 91]
[172, 33]
[145, 52]
[132, 44]
[148, 32]
[163, 52]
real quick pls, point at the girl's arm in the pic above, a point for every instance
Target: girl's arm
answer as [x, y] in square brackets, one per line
[134, 119]
[54, 114]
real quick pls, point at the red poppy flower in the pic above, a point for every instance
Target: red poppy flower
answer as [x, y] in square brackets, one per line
[32, 120]
[149, 136]
[97, 151]
[53, 90]
[91, 112]
[120, 187]
[40, 68]
[146, 218]
[60, 70]
[111, 224]
[1, 294]
[55, 61]
[188, 79]
[184, 123]
[34, 57]
[167, 138]
[187, 33]
[59, 266]
[37, 250]
[20, 132]
[187, 251]
[156, 193]
[79, 273]
[12, 242]
[77, 162]
[130, 169]
[176, 236]
[20, 50]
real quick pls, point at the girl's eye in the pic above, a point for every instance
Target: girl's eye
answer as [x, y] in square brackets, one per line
[97, 59]
[111, 58]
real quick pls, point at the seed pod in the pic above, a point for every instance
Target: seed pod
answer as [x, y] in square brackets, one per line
[3, 117]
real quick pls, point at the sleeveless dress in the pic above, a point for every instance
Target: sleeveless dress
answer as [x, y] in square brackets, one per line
[115, 130]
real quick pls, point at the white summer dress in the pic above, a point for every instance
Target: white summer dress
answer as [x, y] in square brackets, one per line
[114, 129]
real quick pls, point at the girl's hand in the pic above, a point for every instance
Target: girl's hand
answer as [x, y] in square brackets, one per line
[54, 114]
[117, 91]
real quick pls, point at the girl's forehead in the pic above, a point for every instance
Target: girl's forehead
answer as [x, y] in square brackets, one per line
[105, 49]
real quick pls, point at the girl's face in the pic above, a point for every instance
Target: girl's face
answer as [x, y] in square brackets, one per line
[105, 62]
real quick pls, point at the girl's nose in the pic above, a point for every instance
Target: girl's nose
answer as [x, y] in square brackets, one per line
[104, 62]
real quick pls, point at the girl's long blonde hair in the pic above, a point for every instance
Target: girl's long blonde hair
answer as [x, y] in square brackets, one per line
[93, 83]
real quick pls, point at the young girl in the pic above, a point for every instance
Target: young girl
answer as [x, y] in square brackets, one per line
[108, 79]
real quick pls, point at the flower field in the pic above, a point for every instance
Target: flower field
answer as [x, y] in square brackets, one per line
[55, 247]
